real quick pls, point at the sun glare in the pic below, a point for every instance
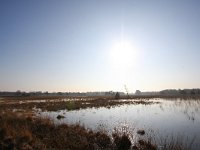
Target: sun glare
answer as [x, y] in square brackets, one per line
[122, 54]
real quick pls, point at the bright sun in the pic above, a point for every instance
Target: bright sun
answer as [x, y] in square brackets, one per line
[122, 54]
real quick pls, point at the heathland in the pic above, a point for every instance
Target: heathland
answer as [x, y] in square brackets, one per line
[22, 128]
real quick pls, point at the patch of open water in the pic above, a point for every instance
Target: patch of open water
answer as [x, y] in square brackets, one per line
[177, 118]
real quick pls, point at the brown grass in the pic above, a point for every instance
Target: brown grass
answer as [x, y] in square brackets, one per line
[60, 103]
[21, 130]
[54, 103]
[29, 133]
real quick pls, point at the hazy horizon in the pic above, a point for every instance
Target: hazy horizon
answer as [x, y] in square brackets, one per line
[81, 46]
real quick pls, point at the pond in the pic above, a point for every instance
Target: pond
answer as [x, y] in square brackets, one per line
[173, 118]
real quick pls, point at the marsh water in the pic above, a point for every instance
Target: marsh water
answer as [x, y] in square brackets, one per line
[173, 119]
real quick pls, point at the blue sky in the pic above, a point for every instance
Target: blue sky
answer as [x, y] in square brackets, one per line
[69, 45]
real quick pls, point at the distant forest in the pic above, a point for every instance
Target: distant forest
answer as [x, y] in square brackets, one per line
[109, 93]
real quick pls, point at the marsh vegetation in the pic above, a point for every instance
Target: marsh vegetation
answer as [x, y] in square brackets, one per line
[99, 123]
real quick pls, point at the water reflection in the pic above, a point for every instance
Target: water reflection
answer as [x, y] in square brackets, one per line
[176, 117]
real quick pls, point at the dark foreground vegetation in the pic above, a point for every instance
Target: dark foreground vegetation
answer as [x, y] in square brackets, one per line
[27, 133]
[20, 132]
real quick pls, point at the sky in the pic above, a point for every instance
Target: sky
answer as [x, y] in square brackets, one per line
[99, 45]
